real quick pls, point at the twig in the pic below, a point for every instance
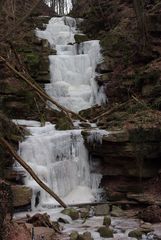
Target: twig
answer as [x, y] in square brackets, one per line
[10, 149]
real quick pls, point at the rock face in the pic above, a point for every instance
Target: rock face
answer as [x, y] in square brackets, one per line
[21, 195]
[127, 159]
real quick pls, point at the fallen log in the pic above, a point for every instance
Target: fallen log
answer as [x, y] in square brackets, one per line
[13, 153]
[40, 92]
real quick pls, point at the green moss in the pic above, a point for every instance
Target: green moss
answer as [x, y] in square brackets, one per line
[135, 234]
[63, 124]
[105, 232]
[72, 212]
[80, 38]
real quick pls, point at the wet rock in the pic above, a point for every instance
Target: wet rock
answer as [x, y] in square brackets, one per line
[117, 211]
[101, 210]
[80, 38]
[63, 220]
[74, 235]
[151, 214]
[142, 198]
[63, 124]
[85, 236]
[71, 212]
[107, 221]
[40, 220]
[135, 234]
[84, 212]
[22, 195]
[105, 232]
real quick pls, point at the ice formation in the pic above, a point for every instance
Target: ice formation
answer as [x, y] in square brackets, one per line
[60, 159]
[96, 136]
[73, 68]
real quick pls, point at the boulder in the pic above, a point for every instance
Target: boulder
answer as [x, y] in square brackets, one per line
[22, 195]
[107, 221]
[85, 236]
[74, 235]
[101, 210]
[151, 214]
[105, 232]
[71, 212]
[135, 234]
[117, 211]
[84, 212]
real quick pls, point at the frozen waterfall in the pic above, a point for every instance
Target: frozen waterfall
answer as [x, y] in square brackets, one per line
[73, 68]
[60, 159]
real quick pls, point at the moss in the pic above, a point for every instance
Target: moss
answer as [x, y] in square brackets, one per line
[73, 213]
[135, 234]
[80, 38]
[63, 124]
[105, 232]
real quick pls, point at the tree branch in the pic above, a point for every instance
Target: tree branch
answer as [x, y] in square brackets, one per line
[10, 149]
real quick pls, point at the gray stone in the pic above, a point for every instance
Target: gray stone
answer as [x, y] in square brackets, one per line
[117, 211]
[101, 210]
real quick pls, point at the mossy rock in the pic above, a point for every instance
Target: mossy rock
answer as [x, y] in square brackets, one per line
[79, 38]
[85, 236]
[71, 212]
[74, 235]
[107, 221]
[135, 234]
[63, 124]
[117, 211]
[105, 232]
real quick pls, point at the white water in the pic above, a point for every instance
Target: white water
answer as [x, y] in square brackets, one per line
[73, 68]
[60, 159]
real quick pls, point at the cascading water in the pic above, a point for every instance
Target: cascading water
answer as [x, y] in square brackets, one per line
[73, 68]
[60, 158]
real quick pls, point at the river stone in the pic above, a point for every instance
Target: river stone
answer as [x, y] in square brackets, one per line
[71, 212]
[101, 210]
[74, 235]
[105, 232]
[151, 214]
[135, 234]
[22, 195]
[84, 212]
[117, 211]
[85, 236]
[107, 221]
[63, 220]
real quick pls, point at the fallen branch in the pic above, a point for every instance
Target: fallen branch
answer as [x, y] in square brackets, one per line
[10, 149]
[42, 93]
[140, 102]
[109, 111]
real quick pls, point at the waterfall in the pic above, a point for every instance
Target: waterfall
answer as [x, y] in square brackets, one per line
[60, 158]
[73, 68]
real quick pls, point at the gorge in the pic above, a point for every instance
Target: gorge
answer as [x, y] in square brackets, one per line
[118, 148]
